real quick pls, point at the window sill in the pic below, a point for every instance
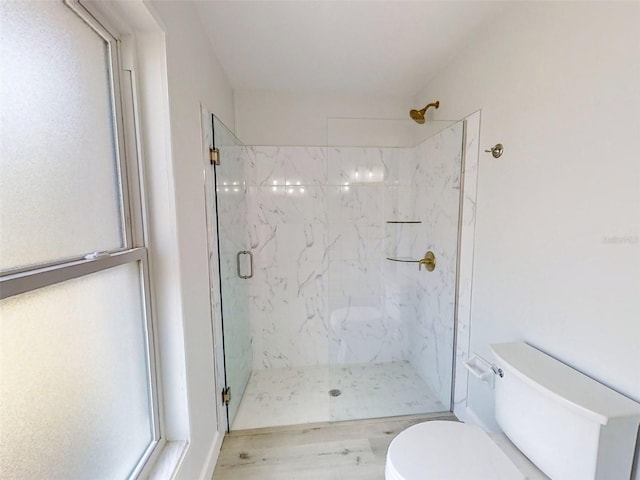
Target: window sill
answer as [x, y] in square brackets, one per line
[167, 464]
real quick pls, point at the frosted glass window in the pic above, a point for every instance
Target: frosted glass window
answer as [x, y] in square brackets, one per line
[74, 400]
[59, 175]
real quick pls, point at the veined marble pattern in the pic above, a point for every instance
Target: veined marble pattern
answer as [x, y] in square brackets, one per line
[366, 334]
[322, 290]
[287, 205]
[288, 166]
[350, 241]
[467, 237]
[381, 390]
[357, 165]
[359, 204]
[300, 395]
[318, 229]
[288, 296]
[439, 164]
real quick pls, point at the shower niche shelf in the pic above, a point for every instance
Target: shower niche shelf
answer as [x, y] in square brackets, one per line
[397, 258]
[403, 259]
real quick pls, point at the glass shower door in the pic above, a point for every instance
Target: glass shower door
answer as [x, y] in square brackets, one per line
[227, 214]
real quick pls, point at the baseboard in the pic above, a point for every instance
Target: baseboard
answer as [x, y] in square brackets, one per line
[466, 415]
[212, 457]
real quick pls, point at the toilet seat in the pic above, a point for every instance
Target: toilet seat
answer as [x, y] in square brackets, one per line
[443, 450]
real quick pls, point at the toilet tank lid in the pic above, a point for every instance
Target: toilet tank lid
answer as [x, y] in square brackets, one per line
[565, 384]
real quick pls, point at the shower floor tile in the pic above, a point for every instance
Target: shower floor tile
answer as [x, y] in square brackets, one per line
[291, 396]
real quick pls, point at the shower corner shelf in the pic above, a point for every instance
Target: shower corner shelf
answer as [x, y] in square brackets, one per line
[403, 259]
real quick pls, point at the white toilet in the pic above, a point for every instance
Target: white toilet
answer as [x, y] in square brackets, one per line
[447, 450]
[570, 426]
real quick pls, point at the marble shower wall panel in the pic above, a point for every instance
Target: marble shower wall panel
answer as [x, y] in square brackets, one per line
[323, 291]
[362, 330]
[438, 177]
[288, 235]
[357, 165]
[404, 201]
[289, 166]
[355, 275]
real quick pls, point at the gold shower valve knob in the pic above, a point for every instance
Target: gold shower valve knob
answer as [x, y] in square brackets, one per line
[429, 261]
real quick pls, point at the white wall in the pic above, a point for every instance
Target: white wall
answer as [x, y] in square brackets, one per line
[557, 258]
[281, 118]
[559, 86]
[193, 78]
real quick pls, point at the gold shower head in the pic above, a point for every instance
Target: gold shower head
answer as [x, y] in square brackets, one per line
[418, 115]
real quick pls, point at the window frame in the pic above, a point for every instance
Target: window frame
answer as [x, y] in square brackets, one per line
[131, 190]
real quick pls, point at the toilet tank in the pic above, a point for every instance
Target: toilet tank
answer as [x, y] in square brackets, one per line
[569, 425]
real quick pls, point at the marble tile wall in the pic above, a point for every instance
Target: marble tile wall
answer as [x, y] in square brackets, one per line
[287, 216]
[437, 185]
[362, 330]
[323, 291]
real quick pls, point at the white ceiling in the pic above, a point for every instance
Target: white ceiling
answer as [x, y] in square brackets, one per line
[353, 47]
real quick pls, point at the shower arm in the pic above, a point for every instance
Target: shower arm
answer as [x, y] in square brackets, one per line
[429, 105]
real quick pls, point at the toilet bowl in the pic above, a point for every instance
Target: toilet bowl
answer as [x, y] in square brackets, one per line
[568, 425]
[446, 450]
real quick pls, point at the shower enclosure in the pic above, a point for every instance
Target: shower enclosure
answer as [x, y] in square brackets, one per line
[328, 312]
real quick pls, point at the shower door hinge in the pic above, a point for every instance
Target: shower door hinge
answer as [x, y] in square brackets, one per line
[214, 156]
[226, 395]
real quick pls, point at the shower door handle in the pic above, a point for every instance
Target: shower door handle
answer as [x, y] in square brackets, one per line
[245, 252]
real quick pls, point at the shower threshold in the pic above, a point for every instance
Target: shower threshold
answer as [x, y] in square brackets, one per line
[292, 396]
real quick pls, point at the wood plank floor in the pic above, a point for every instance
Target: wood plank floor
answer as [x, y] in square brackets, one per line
[354, 450]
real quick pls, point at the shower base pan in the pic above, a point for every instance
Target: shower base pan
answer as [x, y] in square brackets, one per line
[292, 396]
